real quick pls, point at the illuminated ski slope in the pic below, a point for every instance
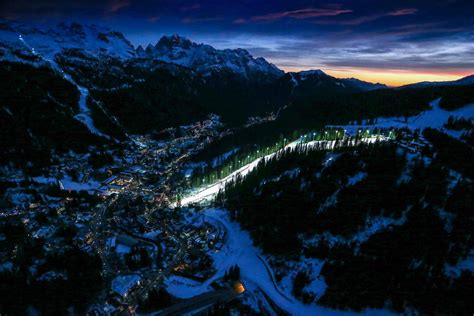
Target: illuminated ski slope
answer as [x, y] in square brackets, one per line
[209, 192]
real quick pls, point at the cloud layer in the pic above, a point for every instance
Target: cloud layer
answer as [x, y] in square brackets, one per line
[417, 36]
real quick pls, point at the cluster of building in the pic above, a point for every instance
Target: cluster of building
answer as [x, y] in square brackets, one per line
[118, 211]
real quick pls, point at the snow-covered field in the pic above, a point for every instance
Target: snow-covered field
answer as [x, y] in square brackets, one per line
[254, 270]
[84, 115]
[185, 288]
[68, 184]
[436, 117]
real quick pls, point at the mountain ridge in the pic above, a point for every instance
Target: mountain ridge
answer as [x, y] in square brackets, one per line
[205, 59]
[462, 81]
[26, 42]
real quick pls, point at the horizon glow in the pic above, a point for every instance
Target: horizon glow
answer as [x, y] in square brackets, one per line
[390, 77]
[389, 41]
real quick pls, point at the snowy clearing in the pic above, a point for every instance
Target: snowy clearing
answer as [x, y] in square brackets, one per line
[436, 117]
[239, 249]
[84, 115]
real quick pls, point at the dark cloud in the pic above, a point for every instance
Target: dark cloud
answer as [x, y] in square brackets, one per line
[116, 5]
[191, 7]
[368, 18]
[305, 13]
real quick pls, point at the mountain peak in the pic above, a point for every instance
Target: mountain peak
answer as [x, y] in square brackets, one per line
[313, 72]
[468, 80]
[174, 40]
[207, 59]
[364, 85]
[44, 43]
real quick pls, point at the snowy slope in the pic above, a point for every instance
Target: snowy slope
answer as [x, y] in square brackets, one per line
[436, 117]
[319, 79]
[24, 42]
[254, 270]
[363, 85]
[209, 192]
[463, 81]
[84, 116]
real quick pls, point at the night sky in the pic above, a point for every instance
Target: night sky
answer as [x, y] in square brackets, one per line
[393, 41]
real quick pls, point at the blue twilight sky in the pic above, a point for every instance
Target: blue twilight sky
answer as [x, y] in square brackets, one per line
[392, 41]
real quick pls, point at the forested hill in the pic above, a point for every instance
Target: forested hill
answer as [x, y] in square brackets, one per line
[313, 112]
[380, 219]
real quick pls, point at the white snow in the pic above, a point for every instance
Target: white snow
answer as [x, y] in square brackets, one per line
[185, 288]
[204, 58]
[52, 275]
[84, 115]
[357, 178]
[122, 249]
[217, 160]
[68, 184]
[436, 117]
[44, 232]
[210, 191]
[372, 226]
[6, 266]
[376, 224]
[311, 266]
[294, 81]
[239, 249]
[289, 173]
[122, 284]
[304, 74]
[463, 81]
[466, 264]
[152, 234]
[47, 42]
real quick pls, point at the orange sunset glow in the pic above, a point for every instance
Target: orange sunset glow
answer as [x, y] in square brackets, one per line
[390, 77]
[395, 78]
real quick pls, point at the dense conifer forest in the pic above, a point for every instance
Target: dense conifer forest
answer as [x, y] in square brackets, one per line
[318, 204]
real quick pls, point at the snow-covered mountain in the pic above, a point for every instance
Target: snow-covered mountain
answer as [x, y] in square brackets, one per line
[205, 59]
[313, 79]
[460, 82]
[42, 44]
[363, 85]
[22, 42]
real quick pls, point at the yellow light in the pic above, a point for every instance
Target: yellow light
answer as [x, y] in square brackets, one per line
[239, 288]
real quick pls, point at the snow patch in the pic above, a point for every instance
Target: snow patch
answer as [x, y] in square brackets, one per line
[436, 117]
